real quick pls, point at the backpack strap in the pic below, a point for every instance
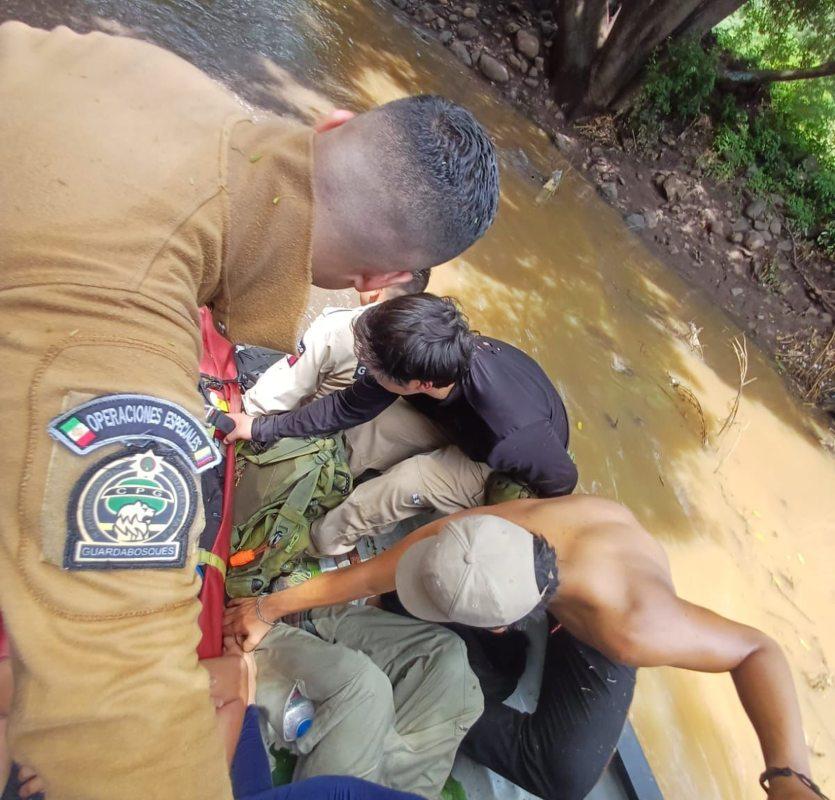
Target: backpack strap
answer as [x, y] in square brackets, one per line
[211, 559]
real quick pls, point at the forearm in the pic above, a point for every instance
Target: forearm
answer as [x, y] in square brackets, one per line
[764, 683]
[331, 588]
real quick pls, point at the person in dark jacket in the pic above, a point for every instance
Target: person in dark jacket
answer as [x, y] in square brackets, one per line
[449, 407]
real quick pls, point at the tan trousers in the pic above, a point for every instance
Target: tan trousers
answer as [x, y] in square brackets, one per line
[422, 471]
[394, 696]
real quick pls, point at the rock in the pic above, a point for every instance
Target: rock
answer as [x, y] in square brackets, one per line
[466, 30]
[401, 4]
[737, 291]
[652, 217]
[527, 44]
[767, 236]
[565, 144]
[493, 69]
[453, 17]
[445, 37]
[459, 49]
[425, 14]
[440, 23]
[775, 227]
[777, 200]
[753, 240]
[760, 225]
[609, 190]
[736, 238]
[548, 28]
[533, 72]
[754, 210]
[516, 62]
[674, 189]
[539, 63]
[809, 164]
[532, 82]
[470, 12]
[511, 28]
[741, 225]
[784, 246]
[826, 318]
[635, 221]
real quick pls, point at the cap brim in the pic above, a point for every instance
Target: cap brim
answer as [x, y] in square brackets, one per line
[408, 580]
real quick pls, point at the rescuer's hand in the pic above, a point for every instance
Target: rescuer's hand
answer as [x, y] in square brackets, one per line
[243, 427]
[241, 621]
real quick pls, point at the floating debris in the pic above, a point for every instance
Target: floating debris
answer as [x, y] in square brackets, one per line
[550, 187]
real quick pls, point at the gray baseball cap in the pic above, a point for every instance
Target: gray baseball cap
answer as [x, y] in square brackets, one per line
[478, 571]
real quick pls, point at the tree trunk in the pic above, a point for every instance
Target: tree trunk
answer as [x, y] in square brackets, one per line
[590, 86]
[581, 29]
[733, 78]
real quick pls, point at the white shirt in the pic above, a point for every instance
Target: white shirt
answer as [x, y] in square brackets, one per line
[325, 364]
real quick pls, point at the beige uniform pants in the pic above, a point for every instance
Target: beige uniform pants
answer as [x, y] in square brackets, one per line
[422, 471]
[394, 696]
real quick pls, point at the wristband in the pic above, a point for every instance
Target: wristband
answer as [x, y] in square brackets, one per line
[787, 772]
[260, 615]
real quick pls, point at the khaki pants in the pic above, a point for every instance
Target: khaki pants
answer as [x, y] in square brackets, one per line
[110, 701]
[422, 471]
[394, 696]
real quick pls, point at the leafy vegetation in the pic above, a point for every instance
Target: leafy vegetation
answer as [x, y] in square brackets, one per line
[781, 142]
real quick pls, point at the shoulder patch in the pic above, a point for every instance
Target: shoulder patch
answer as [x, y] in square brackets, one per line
[131, 510]
[135, 417]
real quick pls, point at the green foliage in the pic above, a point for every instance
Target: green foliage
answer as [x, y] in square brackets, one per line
[678, 87]
[786, 144]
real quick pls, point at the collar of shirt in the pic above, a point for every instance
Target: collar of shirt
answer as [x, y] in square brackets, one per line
[267, 262]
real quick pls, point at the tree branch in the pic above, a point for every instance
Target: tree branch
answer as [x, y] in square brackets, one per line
[759, 76]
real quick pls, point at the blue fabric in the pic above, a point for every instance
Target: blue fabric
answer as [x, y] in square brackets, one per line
[250, 766]
[332, 787]
[251, 779]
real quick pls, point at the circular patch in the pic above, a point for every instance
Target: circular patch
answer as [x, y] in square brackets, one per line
[133, 509]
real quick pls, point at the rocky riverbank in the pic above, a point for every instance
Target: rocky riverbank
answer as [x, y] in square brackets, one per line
[737, 247]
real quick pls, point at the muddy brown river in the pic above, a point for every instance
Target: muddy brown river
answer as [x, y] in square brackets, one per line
[747, 513]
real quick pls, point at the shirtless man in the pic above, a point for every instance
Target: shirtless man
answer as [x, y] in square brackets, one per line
[609, 587]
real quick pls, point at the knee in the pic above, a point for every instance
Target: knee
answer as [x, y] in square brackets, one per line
[451, 666]
[373, 688]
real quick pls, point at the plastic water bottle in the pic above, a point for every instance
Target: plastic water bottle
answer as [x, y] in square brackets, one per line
[298, 715]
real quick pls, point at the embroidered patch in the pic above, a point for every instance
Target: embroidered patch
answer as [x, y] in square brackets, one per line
[135, 417]
[359, 372]
[292, 359]
[131, 510]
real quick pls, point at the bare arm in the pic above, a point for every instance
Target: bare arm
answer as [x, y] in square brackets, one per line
[371, 577]
[663, 629]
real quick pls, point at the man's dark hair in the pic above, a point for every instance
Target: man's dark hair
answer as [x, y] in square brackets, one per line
[415, 285]
[450, 178]
[547, 581]
[415, 337]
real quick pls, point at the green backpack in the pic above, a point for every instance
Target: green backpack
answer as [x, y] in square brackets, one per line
[278, 494]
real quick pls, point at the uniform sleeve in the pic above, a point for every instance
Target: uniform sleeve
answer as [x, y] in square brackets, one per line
[350, 407]
[294, 378]
[535, 455]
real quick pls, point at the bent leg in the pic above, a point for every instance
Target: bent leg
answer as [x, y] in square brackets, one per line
[352, 697]
[391, 437]
[436, 695]
[444, 480]
[560, 750]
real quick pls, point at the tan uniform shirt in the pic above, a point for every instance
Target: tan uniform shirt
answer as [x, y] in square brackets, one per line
[325, 363]
[133, 188]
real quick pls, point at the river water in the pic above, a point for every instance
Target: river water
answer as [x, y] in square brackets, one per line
[747, 514]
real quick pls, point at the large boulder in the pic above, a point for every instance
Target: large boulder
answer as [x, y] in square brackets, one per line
[527, 44]
[493, 69]
[754, 210]
[460, 51]
[673, 188]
